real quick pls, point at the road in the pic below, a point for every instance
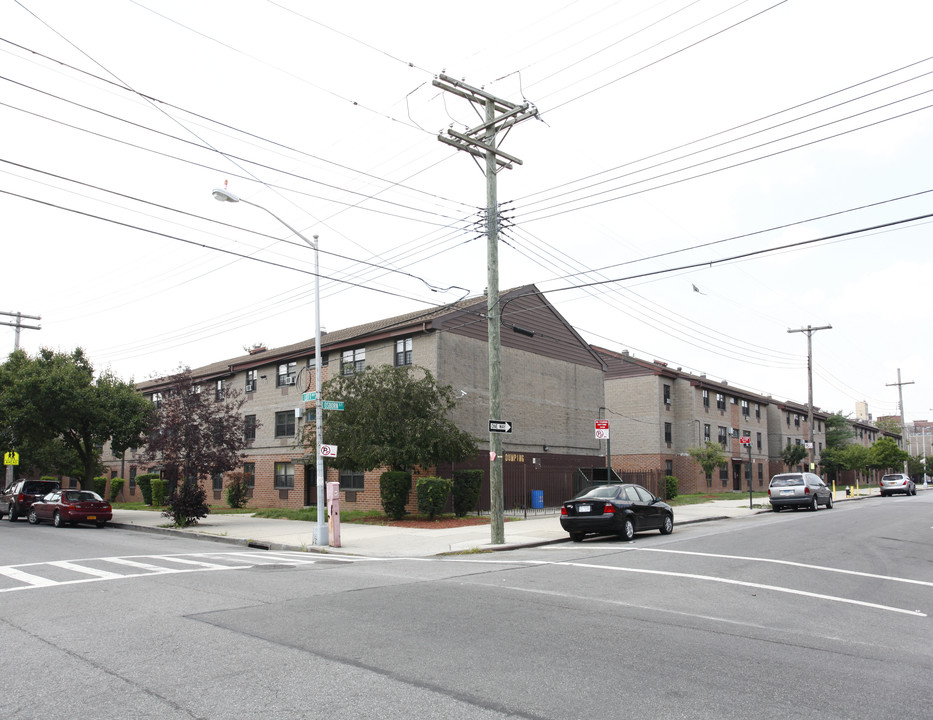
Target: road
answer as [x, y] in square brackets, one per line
[796, 615]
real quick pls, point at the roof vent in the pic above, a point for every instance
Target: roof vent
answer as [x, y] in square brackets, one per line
[257, 348]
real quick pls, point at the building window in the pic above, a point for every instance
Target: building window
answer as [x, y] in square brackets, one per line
[759, 441]
[249, 427]
[745, 411]
[350, 480]
[706, 435]
[667, 432]
[219, 391]
[796, 441]
[403, 352]
[722, 436]
[284, 476]
[668, 467]
[720, 401]
[132, 477]
[311, 415]
[251, 378]
[796, 421]
[788, 419]
[249, 472]
[285, 423]
[724, 473]
[286, 374]
[667, 394]
[760, 474]
[757, 411]
[706, 398]
[748, 434]
[788, 442]
[157, 400]
[353, 361]
[217, 482]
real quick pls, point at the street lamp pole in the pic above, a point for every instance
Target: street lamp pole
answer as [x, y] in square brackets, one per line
[321, 532]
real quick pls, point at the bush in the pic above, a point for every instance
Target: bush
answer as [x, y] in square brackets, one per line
[145, 486]
[670, 485]
[187, 505]
[467, 484]
[116, 485]
[100, 486]
[432, 495]
[394, 489]
[158, 491]
[238, 490]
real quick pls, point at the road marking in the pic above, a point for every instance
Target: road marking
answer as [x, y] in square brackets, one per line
[30, 580]
[102, 574]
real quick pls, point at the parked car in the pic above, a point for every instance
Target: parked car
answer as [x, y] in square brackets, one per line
[16, 500]
[897, 483]
[621, 510]
[796, 490]
[71, 507]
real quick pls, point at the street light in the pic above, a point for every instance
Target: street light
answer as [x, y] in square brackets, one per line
[321, 533]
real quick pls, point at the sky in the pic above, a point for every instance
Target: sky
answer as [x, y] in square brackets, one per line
[702, 176]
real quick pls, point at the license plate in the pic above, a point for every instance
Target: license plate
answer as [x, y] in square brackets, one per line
[583, 508]
[787, 492]
[91, 517]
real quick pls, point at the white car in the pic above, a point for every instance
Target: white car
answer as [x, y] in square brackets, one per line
[897, 483]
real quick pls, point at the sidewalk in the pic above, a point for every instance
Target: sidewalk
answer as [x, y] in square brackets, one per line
[387, 541]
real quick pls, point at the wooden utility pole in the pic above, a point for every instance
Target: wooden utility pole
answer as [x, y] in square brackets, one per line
[900, 402]
[809, 330]
[480, 141]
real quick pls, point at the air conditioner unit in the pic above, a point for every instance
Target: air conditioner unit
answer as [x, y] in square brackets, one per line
[667, 401]
[249, 387]
[289, 379]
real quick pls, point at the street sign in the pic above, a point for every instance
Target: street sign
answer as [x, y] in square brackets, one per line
[309, 396]
[503, 426]
[332, 405]
[602, 429]
[746, 440]
[11, 458]
[328, 451]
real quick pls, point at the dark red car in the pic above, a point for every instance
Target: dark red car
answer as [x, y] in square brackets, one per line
[72, 507]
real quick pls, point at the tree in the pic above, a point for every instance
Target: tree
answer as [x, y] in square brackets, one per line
[395, 417]
[857, 458]
[195, 434]
[56, 409]
[710, 457]
[793, 454]
[832, 460]
[889, 425]
[916, 467]
[838, 431]
[886, 455]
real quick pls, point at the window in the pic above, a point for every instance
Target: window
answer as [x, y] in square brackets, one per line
[748, 434]
[353, 361]
[745, 410]
[796, 441]
[284, 476]
[667, 433]
[217, 482]
[219, 391]
[759, 441]
[724, 473]
[249, 427]
[720, 401]
[132, 477]
[350, 480]
[706, 398]
[157, 399]
[286, 374]
[760, 473]
[249, 472]
[667, 394]
[668, 467]
[285, 423]
[311, 415]
[757, 411]
[706, 433]
[788, 442]
[722, 436]
[788, 419]
[403, 352]
[820, 448]
[251, 378]
[796, 421]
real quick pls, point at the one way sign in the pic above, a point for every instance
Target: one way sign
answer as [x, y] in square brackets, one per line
[500, 426]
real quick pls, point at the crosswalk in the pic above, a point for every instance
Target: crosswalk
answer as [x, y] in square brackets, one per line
[54, 573]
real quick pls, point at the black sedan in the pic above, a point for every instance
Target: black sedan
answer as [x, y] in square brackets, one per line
[621, 510]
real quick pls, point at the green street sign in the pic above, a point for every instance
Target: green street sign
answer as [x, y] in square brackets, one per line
[308, 397]
[333, 405]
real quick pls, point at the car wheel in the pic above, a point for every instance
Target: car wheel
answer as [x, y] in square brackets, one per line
[575, 536]
[776, 508]
[32, 517]
[12, 516]
[829, 503]
[628, 529]
[667, 527]
[101, 524]
[815, 505]
[914, 491]
[884, 494]
[57, 520]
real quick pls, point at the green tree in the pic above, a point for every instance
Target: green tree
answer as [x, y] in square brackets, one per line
[709, 457]
[832, 460]
[838, 431]
[53, 404]
[395, 417]
[793, 454]
[915, 467]
[889, 425]
[857, 458]
[886, 455]
[195, 435]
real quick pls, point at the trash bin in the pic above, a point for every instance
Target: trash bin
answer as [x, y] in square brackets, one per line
[537, 499]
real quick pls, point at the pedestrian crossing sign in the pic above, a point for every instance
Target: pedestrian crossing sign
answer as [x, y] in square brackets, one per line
[11, 458]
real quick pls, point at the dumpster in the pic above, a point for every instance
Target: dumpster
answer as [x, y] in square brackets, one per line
[537, 499]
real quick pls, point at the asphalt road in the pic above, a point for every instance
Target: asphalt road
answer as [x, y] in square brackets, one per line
[792, 615]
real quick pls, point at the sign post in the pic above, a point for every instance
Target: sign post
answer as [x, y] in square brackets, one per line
[602, 433]
[747, 442]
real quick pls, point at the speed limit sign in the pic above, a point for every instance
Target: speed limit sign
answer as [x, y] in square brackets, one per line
[328, 451]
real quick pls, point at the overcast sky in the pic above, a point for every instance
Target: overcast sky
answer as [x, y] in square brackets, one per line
[674, 137]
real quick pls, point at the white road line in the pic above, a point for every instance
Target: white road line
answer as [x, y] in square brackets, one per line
[200, 563]
[102, 574]
[32, 580]
[139, 565]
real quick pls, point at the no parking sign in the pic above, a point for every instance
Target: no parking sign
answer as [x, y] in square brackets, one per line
[328, 451]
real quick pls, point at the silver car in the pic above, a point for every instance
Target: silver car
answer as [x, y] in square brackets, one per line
[897, 483]
[800, 489]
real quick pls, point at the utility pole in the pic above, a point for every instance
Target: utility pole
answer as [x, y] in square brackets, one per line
[19, 324]
[480, 142]
[809, 330]
[900, 402]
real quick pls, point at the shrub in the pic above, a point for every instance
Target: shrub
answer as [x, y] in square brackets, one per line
[237, 490]
[467, 484]
[187, 505]
[145, 486]
[100, 486]
[432, 495]
[670, 485]
[116, 485]
[394, 489]
[158, 491]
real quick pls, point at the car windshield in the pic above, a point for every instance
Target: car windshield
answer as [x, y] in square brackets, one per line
[598, 491]
[786, 480]
[81, 496]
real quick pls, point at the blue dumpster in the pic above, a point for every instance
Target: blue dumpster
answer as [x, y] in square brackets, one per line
[537, 499]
